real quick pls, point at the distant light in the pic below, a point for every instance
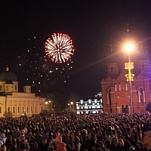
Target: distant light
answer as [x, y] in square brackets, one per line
[129, 47]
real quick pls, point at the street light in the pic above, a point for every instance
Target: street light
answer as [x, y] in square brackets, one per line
[70, 106]
[49, 105]
[129, 47]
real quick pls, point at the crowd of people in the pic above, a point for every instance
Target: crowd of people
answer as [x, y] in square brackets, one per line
[87, 132]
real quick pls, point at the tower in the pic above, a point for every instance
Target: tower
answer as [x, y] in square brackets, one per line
[115, 88]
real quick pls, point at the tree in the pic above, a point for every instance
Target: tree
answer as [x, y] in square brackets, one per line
[73, 98]
[58, 101]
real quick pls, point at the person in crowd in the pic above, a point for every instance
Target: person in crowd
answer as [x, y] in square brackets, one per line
[107, 132]
[3, 148]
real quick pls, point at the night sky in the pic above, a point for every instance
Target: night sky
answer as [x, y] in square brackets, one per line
[93, 26]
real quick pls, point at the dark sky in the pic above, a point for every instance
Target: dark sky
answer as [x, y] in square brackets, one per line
[93, 25]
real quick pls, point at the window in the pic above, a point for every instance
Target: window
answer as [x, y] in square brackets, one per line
[81, 101]
[119, 87]
[95, 100]
[0, 88]
[0, 109]
[89, 100]
[13, 109]
[8, 109]
[141, 93]
[27, 109]
[18, 110]
[115, 87]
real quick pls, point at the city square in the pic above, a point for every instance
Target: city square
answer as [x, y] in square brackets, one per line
[75, 75]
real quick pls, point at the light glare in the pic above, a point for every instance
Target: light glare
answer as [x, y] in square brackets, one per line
[129, 47]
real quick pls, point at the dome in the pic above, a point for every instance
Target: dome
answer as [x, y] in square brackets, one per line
[8, 76]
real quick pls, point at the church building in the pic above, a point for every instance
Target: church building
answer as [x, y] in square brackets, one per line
[116, 88]
[18, 103]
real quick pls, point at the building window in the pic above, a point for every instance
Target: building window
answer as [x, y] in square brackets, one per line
[115, 87]
[95, 100]
[18, 110]
[119, 87]
[141, 93]
[31, 109]
[81, 101]
[27, 109]
[89, 100]
[35, 109]
[109, 97]
[0, 88]
[8, 109]
[13, 109]
[0, 109]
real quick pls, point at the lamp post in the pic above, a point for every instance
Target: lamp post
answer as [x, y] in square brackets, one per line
[49, 105]
[130, 77]
[70, 106]
[71, 103]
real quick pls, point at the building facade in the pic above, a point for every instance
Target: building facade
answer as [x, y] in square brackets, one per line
[116, 88]
[89, 106]
[18, 103]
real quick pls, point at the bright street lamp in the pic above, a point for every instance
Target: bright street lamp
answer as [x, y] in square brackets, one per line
[70, 106]
[129, 47]
[49, 105]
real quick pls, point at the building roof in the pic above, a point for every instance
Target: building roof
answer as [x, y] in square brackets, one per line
[8, 76]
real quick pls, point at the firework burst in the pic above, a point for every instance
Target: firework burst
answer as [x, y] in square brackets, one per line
[59, 48]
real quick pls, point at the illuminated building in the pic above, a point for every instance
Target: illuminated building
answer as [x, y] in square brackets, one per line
[18, 103]
[89, 106]
[116, 88]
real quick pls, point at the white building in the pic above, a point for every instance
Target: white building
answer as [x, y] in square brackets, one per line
[89, 106]
[18, 103]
